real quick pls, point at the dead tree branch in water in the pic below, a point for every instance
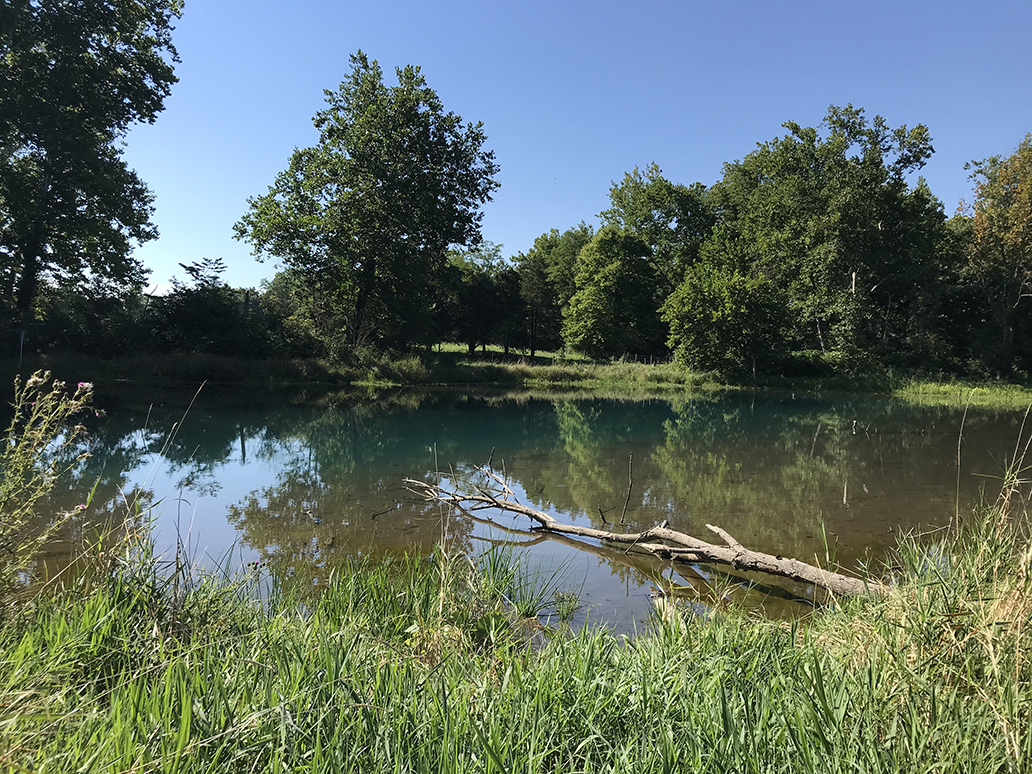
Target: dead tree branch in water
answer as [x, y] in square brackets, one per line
[659, 541]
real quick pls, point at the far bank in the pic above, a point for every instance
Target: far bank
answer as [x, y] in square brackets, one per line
[447, 367]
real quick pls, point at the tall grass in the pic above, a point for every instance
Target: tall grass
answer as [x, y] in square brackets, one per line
[35, 450]
[417, 664]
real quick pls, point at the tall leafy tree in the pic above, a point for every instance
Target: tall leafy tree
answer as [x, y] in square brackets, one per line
[547, 282]
[723, 319]
[371, 211]
[474, 304]
[614, 311]
[672, 219]
[829, 217]
[1000, 256]
[74, 77]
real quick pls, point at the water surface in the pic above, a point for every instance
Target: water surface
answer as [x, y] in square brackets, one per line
[245, 478]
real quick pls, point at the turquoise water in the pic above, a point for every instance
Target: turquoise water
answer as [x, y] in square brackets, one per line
[301, 484]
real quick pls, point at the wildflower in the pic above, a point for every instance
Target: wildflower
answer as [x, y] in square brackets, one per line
[86, 386]
[34, 381]
[80, 507]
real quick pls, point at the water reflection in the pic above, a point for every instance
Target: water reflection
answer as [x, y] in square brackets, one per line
[302, 486]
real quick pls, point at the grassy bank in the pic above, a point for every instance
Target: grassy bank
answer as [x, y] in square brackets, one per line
[428, 665]
[452, 366]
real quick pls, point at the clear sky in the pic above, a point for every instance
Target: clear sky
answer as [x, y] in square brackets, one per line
[572, 95]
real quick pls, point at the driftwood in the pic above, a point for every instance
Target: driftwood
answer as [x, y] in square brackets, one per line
[659, 541]
[648, 565]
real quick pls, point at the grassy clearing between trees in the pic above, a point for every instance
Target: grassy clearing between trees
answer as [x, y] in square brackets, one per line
[426, 664]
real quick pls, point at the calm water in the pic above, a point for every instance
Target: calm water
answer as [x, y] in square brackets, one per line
[303, 486]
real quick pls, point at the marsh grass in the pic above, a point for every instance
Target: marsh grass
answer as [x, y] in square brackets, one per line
[950, 392]
[528, 592]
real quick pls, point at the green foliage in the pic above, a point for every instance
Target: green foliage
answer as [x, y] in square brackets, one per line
[301, 321]
[560, 253]
[366, 217]
[74, 77]
[1000, 255]
[724, 320]
[476, 307]
[31, 460]
[828, 218]
[547, 283]
[614, 311]
[90, 317]
[673, 220]
[207, 315]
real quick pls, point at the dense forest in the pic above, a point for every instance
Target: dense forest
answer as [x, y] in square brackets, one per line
[819, 250]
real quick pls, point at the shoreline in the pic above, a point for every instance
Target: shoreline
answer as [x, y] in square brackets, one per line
[178, 371]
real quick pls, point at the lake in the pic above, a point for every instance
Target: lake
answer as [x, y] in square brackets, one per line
[300, 484]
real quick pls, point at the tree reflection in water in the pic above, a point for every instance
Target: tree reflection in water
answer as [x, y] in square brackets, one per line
[304, 485]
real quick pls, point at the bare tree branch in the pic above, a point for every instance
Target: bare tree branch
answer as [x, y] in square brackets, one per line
[672, 544]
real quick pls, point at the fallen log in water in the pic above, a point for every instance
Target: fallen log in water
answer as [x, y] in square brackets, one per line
[659, 540]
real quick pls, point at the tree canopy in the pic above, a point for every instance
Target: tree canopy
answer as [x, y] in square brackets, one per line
[371, 211]
[547, 282]
[1000, 256]
[723, 319]
[74, 76]
[672, 219]
[614, 311]
[827, 215]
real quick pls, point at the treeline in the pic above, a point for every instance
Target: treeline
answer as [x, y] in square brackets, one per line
[812, 253]
[817, 251]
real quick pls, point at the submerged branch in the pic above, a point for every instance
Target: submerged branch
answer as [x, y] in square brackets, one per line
[659, 541]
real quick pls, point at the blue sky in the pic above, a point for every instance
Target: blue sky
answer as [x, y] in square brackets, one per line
[572, 95]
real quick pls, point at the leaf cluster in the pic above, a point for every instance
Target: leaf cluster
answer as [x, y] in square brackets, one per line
[74, 77]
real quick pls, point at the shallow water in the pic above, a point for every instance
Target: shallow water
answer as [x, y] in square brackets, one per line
[277, 480]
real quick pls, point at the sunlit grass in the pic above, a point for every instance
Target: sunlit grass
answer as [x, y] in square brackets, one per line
[424, 664]
[959, 393]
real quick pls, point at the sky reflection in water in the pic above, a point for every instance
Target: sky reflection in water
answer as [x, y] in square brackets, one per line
[302, 487]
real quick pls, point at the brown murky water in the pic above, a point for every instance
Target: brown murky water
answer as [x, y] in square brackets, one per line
[300, 487]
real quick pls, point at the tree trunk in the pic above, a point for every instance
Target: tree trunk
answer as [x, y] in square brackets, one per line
[365, 292]
[28, 284]
[31, 251]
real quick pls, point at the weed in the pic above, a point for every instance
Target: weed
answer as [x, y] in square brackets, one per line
[37, 448]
